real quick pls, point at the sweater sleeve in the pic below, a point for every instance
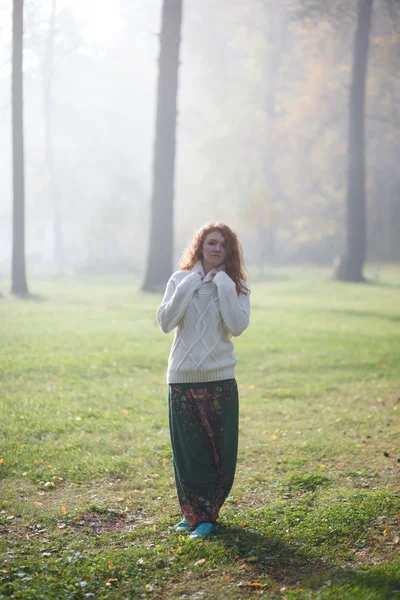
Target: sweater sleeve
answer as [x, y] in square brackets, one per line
[235, 309]
[176, 300]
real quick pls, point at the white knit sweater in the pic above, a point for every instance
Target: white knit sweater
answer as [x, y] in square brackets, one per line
[204, 313]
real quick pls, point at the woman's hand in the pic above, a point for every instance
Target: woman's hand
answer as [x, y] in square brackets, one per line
[218, 270]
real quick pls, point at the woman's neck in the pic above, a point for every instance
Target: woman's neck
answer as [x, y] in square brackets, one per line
[207, 267]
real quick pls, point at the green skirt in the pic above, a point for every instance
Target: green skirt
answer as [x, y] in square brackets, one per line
[203, 420]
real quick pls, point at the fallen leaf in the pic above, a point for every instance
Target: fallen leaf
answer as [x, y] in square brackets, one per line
[255, 585]
[363, 552]
[110, 564]
[252, 559]
[63, 510]
[200, 562]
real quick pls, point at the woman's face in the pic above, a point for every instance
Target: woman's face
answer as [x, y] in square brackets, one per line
[214, 250]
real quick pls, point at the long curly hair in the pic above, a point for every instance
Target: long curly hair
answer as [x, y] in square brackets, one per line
[233, 259]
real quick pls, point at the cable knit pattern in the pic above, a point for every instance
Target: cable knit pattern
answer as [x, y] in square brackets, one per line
[204, 313]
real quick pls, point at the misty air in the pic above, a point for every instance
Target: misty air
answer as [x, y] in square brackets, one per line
[199, 299]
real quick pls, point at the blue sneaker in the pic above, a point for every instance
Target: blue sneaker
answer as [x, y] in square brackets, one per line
[204, 530]
[183, 526]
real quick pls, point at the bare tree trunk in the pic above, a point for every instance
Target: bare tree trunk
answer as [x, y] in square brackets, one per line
[19, 284]
[160, 253]
[350, 266]
[276, 37]
[54, 190]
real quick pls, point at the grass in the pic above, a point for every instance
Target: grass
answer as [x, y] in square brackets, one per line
[87, 497]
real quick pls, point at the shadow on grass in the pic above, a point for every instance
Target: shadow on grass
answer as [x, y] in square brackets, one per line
[270, 555]
[291, 565]
[384, 581]
[386, 284]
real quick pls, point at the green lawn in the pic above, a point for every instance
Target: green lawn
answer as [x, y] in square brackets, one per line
[87, 497]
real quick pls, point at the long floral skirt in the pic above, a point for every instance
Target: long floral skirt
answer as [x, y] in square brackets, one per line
[203, 419]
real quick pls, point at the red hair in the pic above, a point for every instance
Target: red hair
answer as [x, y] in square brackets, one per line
[234, 254]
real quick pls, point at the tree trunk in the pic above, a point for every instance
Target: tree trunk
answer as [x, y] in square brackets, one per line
[54, 190]
[349, 267]
[19, 284]
[160, 253]
[276, 38]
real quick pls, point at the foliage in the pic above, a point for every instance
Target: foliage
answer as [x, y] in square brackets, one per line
[262, 118]
[303, 142]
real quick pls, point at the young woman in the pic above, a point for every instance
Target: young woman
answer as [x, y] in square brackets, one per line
[205, 303]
